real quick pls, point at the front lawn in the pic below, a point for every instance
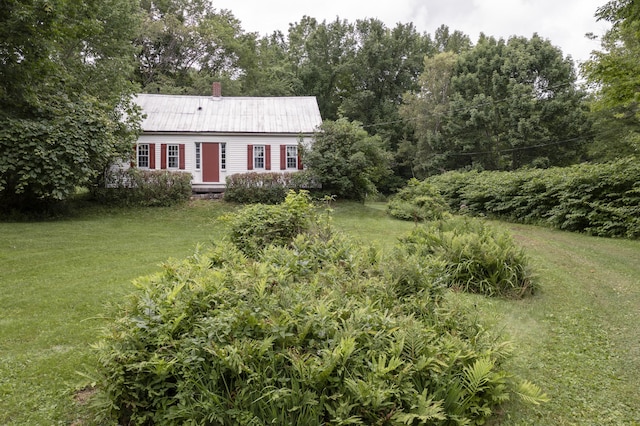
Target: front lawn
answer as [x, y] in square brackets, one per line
[577, 339]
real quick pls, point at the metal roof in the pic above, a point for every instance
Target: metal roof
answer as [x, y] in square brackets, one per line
[180, 113]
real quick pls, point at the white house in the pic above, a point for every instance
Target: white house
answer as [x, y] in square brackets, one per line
[213, 137]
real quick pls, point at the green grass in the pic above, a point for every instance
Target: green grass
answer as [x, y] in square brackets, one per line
[55, 278]
[578, 338]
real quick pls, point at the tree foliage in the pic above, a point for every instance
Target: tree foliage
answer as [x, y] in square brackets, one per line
[616, 69]
[507, 104]
[65, 71]
[183, 45]
[426, 108]
[346, 160]
[614, 73]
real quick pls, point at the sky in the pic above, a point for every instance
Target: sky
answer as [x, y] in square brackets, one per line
[563, 22]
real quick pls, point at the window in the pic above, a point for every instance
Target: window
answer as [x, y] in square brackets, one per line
[173, 156]
[258, 156]
[292, 157]
[143, 155]
[197, 155]
[223, 156]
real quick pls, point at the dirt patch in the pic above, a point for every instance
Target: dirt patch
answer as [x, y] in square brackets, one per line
[84, 395]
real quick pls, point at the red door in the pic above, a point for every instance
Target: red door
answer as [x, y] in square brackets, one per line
[210, 162]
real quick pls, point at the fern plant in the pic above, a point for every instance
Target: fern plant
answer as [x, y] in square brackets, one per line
[321, 330]
[473, 257]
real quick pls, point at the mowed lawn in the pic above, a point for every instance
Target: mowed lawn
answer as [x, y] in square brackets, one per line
[579, 338]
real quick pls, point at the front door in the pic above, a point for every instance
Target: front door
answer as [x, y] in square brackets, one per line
[210, 162]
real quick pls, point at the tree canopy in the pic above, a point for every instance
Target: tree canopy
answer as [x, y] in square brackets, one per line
[614, 72]
[65, 69]
[500, 105]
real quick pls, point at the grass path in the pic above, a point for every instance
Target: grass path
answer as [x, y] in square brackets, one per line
[579, 338]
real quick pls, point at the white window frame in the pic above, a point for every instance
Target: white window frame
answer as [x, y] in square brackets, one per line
[142, 155]
[259, 157]
[173, 156]
[198, 156]
[223, 156]
[291, 151]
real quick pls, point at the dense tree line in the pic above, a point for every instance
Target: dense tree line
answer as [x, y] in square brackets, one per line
[434, 102]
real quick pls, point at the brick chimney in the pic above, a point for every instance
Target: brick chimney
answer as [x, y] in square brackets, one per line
[216, 89]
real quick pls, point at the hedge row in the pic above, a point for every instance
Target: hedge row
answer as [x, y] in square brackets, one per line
[265, 188]
[135, 187]
[599, 199]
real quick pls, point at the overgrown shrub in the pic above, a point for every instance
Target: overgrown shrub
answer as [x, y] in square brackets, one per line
[418, 201]
[135, 187]
[265, 188]
[321, 331]
[472, 256]
[599, 199]
[257, 226]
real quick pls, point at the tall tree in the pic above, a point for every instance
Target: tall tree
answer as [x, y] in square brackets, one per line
[512, 104]
[322, 56]
[65, 70]
[616, 69]
[387, 63]
[447, 41]
[183, 43]
[271, 73]
[614, 73]
[425, 110]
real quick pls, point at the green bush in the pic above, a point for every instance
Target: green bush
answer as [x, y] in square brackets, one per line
[418, 201]
[471, 256]
[599, 199]
[135, 187]
[321, 331]
[257, 226]
[265, 188]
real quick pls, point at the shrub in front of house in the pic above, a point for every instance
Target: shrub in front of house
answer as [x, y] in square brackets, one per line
[147, 188]
[418, 201]
[472, 256]
[259, 225]
[265, 188]
[320, 330]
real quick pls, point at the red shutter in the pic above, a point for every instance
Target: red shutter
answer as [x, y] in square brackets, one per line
[283, 157]
[181, 156]
[152, 155]
[300, 165]
[163, 156]
[249, 157]
[267, 157]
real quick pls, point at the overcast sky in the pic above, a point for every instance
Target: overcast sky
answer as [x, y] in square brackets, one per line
[563, 22]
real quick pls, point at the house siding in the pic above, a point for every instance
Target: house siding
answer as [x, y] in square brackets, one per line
[236, 150]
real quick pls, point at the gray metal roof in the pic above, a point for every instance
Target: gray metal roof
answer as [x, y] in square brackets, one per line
[179, 113]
